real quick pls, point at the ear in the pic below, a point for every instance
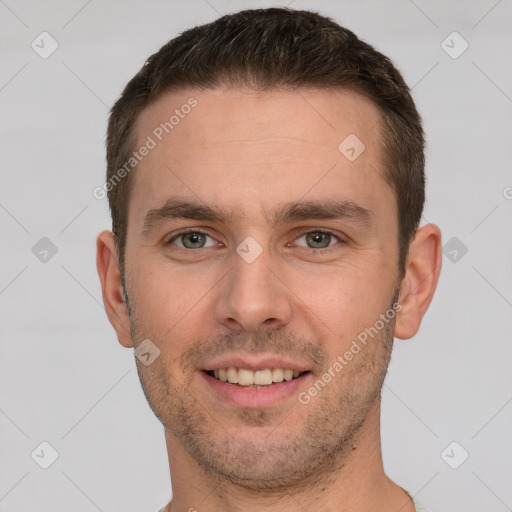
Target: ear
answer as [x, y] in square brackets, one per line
[420, 281]
[112, 290]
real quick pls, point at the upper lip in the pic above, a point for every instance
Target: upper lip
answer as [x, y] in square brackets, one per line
[255, 362]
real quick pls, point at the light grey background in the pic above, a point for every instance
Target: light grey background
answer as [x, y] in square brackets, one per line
[65, 380]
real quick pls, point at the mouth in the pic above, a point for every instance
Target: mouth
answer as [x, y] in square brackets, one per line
[255, 382]
[247, 378]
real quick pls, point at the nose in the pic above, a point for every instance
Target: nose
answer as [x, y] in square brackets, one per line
[253, 296]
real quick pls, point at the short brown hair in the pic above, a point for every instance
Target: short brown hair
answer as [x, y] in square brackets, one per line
[269, 49]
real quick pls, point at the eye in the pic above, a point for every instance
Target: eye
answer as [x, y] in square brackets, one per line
[192, 240]
[318, 239]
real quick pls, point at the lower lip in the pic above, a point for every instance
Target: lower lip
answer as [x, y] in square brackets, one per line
[255, 398]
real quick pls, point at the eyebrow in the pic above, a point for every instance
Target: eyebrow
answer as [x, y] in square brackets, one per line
[295, 211]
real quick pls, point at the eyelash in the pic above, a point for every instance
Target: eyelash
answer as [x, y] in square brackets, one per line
[326, 231]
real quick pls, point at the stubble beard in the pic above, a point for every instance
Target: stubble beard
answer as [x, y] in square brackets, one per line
[286, 459]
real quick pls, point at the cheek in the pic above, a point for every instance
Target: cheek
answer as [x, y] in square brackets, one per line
[345, 300]
[169, 304]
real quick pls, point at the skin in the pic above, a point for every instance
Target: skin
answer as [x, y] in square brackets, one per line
[249, 152]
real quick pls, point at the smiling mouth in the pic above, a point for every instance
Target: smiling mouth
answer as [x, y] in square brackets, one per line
[245, 377]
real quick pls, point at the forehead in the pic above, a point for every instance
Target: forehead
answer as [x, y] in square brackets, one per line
[313, 116]
[242, 147]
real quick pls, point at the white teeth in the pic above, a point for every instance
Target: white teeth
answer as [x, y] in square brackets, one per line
[232, 375]
[246, 377]
[278, 375]
[263, 377]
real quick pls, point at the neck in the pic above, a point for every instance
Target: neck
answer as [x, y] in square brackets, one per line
[356, 484]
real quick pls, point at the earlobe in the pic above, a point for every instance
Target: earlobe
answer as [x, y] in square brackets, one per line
[420, 281]
[112, 290]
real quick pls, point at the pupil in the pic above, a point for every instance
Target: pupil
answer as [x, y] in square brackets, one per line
[195, 240]
[318, 240]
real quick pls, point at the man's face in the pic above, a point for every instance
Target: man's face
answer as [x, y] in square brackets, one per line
[274, 281]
